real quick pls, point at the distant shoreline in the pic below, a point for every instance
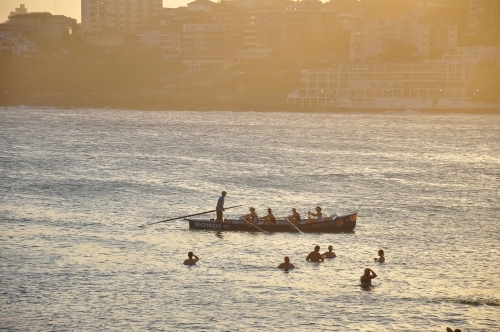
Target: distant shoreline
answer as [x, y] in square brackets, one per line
[184, 103]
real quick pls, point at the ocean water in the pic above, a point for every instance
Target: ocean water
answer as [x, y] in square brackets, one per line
[75, 184]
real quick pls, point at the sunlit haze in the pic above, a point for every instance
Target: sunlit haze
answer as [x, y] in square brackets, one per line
[371, 126]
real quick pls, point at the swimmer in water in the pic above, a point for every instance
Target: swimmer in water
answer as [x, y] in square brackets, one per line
[450, 330]
[366, 279]
[315, 256]
[381, 257]
[329, 253]
[286, 265]
[191, 260]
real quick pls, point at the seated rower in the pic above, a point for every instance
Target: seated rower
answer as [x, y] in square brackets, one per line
[252, 217]
[191, 260]
[318, 215]
[366, 279]
[381, 257]
[270, 219]
[286, 265]
[294, 218]
[329, 253]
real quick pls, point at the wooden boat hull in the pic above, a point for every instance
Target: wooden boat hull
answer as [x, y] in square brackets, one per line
[345, 223]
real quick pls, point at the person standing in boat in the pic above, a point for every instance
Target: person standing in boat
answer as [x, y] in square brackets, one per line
[191, 260]
[286, 265]
[366, 279]
[270, 219]
[220, 208]
[329, 253]
[294, 218]
[315, 256]
[252, 217]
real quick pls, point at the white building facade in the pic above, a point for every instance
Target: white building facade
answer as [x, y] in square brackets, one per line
[387, 85]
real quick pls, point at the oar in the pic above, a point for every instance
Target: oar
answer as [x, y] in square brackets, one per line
[301, 233]
[260, 229]
[189, 215]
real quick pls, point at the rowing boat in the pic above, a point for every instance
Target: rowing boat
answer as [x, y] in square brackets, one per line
[338, 224]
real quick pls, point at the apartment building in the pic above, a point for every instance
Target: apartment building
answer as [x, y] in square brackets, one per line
[203, 46]
[110, 40]
[293, 23]
[200, 5]
[369, 38]
[386, 85]
[483, 19]
[218, 46]
[479, 54]
[42, 27]
[15, 43]
[168, 41]
[122, 15]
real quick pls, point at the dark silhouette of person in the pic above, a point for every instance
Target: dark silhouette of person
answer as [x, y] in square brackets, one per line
[315, 256]
[220, 208]
[286, 265]
[366, 279]
[191, 260]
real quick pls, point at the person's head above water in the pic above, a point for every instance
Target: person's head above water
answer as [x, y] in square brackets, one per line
[316, 248]
[223, 193]
[367, 272]
[330, 248]
[287, 259]
[269, 210]
[293, 210]
[381, 252]
[190, 254]
[252, 209]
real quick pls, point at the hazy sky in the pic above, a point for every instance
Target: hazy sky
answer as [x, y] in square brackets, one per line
[70, 8]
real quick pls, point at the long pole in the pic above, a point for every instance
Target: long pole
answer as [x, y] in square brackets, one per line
[189, 215]
[301, 233]
[260, 229]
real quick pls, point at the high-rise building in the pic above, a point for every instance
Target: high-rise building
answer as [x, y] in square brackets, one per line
[369, 38]
[483, 20]
[123, 15]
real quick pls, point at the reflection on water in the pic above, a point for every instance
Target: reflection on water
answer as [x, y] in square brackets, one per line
[76, 188]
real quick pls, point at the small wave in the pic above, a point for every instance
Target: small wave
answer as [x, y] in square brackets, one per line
[478, 302]
[411, 111]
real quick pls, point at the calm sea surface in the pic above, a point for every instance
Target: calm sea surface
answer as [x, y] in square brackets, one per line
[76, 184]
